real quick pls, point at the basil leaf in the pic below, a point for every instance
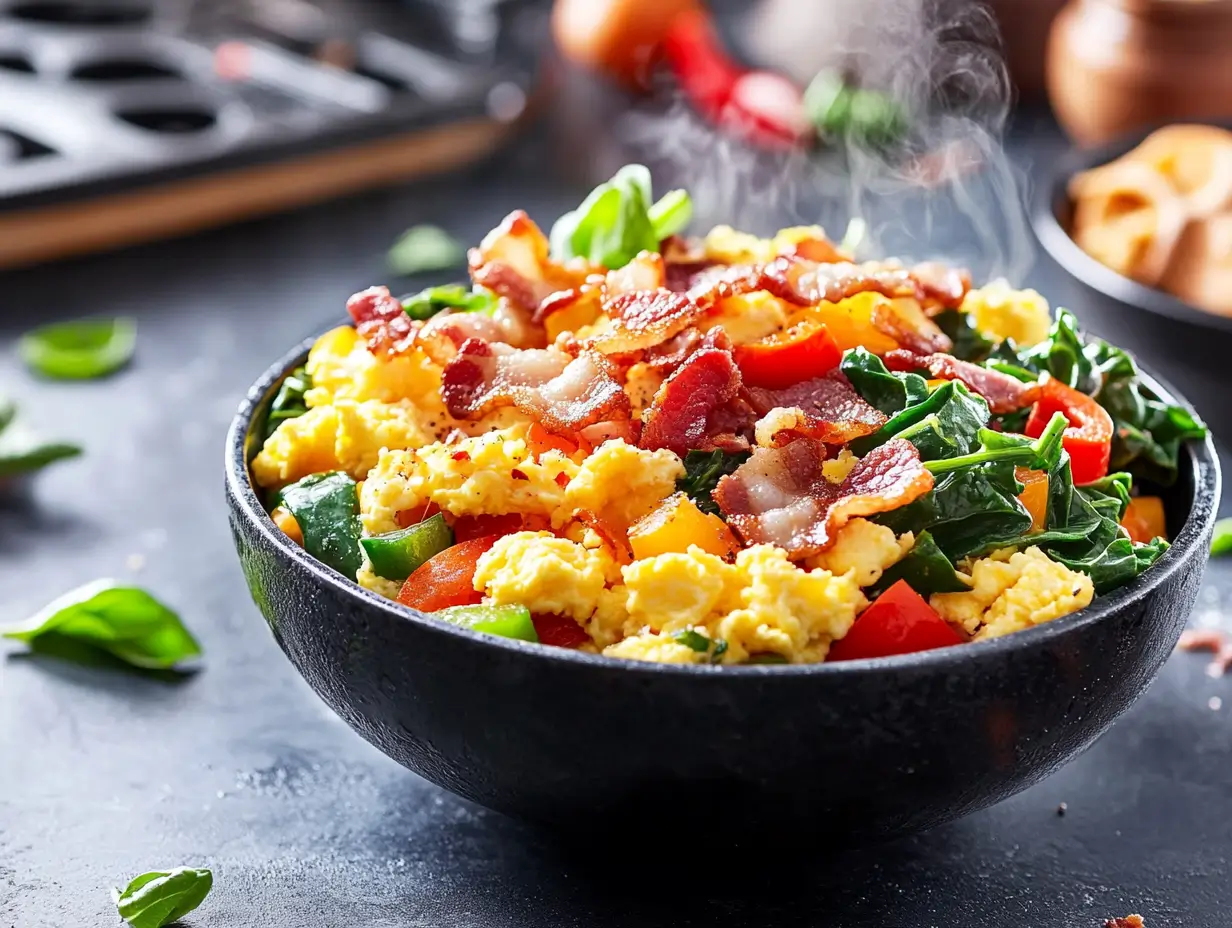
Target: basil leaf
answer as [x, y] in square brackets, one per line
[326, 506]
[425, 248]
[82, 350]
[970, 344]
[702, 472]
[1221, 542]
[427, 303]
[161, 897]
[618, 220]
[887, 391]
[124, 621]
[289, 402]
[925, 568]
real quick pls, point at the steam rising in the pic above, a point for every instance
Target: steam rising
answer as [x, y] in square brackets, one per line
[949, 192]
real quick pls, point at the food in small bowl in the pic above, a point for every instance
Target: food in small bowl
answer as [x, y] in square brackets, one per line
[678, 511]
[1161, 214]
[724, 451]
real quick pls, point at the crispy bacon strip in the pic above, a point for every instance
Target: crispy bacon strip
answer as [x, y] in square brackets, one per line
[721, 281]
[942, 287]
[904, 321]
[1003, 393]
[781, 497]
[513, 261]
[643, 319]
[562, 393]
[807, 283]
[826, 408]
[695, 403]
[381, 321]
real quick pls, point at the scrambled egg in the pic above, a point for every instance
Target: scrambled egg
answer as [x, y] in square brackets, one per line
[370, 580]
[836, 469]
[641, 384]
[342, 367]
[1002, 312]
[546, 574]
[344, 435]
[1013, 591]
[493, 473]
[727, 246]
[747, 318]
[621, 483]
[654, 648]
[865, 549]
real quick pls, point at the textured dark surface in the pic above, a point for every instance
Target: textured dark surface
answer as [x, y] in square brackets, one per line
[858, 752]
[242, 768]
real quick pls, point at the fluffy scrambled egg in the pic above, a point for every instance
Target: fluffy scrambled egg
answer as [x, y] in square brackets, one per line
[342, 367]
[344, 435]
[1001, 312]
[546, 574]
[747, 318]
[493, 473]
[836, 469]
[1013, 591]
[621, 482]
[865, 549]
[727, 246]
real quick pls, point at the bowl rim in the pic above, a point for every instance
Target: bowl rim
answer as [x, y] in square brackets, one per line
[1207, 483]
[1056, 240]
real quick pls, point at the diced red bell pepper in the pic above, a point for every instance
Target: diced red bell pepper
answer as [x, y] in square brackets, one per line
[448, 579]
[466, 528]
[802, 352]
[1089, 436]
[559, 630]
[899, 622]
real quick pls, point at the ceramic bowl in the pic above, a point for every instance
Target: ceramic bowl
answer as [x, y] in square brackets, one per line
[1051, 216]
[831, 753]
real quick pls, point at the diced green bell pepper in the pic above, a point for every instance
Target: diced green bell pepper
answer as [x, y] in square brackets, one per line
[326, 506]
[506, 621]
[397, 555]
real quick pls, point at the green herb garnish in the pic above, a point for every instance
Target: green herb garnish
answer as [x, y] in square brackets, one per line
[702, 472]
[326, 506]
[715, 648]
[124, 621]
[81, 350]
[425, 248]
[161, 897]
[619, 219]
[427, 303]
[1221, 542]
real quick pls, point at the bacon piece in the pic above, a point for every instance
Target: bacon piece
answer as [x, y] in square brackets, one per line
[781, 497]
[1213, 640]
[643, 319]
[693, 404]
[942, 286]
[513, 261]
[382, 322]
[443, 334]
[1003, 392]
[721, 281]
[564, 394]
[807, 283]
[904, 321]
[826, 408]
[816, 249]
[667, 357]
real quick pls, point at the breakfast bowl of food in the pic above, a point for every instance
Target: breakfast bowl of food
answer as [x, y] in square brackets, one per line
[1146, 222]
[719, 536]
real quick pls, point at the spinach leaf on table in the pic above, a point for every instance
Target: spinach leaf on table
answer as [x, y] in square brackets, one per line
[161, 897]
[425, 248]
[879, 387]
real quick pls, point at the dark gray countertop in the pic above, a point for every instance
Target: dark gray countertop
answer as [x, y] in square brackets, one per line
[104, 774]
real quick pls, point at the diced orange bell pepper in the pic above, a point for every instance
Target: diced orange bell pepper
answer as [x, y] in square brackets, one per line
[801, 352]
[676, 525]
[286, 521]
[850, 322]
[1144, 519]
[1034, 495]
[1089, 436]
[539, 440]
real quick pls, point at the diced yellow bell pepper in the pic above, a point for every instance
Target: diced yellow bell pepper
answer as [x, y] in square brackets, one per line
[850, 321]
[1034, 495]
[676, 525]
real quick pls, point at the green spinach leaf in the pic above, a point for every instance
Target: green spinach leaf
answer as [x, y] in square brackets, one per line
[960, 415]
[81, 350]
[161, 897]
[289, 402]
[925, 568]
[427, 303]
[889, 392]
[326, 506]
[124, 621]
[425, 248]
[702, 472]
[970, 344]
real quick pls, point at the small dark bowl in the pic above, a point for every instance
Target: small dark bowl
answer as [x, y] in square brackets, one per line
[1105, 289]
[832, 753]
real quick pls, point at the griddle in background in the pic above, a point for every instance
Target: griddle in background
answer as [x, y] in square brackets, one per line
[132, 120]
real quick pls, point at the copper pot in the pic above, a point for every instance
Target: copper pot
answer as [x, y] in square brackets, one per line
[1118, 65]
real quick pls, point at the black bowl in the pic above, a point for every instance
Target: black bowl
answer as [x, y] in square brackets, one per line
[1108, 291]
[832, 753]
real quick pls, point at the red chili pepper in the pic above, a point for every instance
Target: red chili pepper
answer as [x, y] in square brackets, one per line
[447, 579]
[559, 630]
[802, 352]
[1089, 436]
[899, 622]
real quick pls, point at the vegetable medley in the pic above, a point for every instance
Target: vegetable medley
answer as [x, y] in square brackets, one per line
[721, 450]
